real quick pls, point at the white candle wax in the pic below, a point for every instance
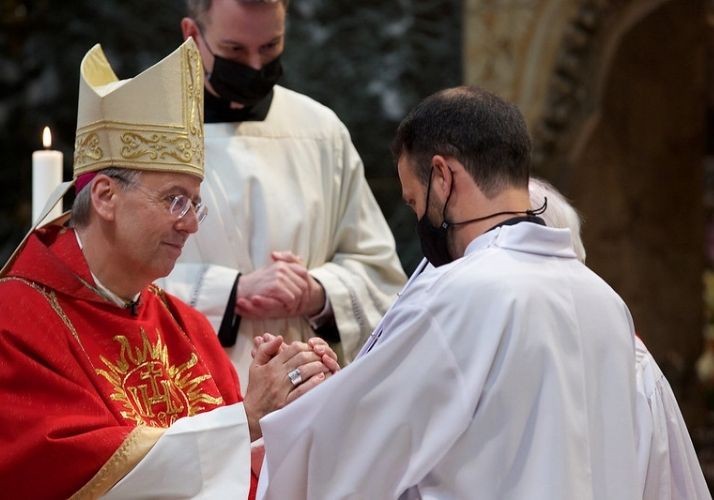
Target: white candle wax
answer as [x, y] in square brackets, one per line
[46, 176]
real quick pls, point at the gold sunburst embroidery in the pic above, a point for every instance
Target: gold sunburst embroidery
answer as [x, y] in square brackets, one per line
[152, 391]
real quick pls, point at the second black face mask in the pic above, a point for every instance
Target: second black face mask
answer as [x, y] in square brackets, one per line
[238, 82]
[434, 239]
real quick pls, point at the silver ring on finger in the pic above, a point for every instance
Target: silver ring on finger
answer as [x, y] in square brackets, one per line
[295, 377]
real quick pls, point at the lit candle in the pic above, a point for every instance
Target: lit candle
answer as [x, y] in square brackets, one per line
[46, 176]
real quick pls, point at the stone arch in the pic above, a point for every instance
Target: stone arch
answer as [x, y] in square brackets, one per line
[509, 47]
[570, 109]
[623, 133]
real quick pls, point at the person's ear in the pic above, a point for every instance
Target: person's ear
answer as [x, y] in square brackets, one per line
[104, 196]
[189, 28]
[443, 176]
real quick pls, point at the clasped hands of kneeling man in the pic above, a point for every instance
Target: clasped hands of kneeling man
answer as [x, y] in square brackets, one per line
[280, 373]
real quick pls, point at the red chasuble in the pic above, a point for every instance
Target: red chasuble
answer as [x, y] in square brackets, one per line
[85, 385]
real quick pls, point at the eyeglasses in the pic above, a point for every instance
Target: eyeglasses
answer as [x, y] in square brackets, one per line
[178, 204]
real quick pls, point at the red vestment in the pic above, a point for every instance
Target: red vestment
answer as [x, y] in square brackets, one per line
[80, 375]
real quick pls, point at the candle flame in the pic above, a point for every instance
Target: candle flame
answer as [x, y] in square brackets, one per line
[47, 138]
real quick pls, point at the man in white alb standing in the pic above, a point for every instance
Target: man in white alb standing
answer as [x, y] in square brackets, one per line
[296, 243]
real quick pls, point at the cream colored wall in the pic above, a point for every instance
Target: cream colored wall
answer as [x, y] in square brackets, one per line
[510, 47]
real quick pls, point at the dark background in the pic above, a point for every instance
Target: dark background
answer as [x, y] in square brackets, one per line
[369, 61]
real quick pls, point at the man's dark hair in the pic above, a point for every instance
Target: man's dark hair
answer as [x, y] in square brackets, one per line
[482, 131]
[197, 9]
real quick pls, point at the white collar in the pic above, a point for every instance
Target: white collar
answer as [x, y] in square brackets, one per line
[526, 237]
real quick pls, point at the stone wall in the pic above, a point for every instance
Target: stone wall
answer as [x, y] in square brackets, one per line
[510, 47]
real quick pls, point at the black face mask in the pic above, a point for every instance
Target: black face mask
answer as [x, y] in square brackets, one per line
[434, 240]
[238, 82]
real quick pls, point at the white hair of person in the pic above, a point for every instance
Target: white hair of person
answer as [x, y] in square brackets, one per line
[559, 213]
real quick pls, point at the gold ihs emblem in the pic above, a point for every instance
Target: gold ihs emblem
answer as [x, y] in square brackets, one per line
[152, 391]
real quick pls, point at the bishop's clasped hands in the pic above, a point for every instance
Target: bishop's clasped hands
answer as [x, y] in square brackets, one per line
[312, 370]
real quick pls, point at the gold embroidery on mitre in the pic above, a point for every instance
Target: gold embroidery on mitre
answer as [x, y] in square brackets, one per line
[193, 72]
[152, 391]
[86, 149]
[157, 145]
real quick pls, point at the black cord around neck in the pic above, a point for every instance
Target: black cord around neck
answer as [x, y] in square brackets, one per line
[529, 213]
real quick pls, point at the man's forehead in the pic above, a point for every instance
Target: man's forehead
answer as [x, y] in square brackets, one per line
[407, 177]
[405, 165]
[244, 22]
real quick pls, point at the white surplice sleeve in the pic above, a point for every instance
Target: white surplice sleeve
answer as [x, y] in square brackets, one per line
[381, 421]
[202, 456]
[669, 466]
[363, 275]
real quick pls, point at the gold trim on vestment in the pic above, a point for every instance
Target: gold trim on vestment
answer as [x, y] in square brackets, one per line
[51, 298]
[134, 448]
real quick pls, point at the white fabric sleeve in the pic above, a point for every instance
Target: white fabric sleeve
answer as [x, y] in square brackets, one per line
[204, 287]
[203, 456]
[319, 319]
[668, 462]
[364, 275]
[362, 440]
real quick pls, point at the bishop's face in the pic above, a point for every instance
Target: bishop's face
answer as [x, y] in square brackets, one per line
[148, 238]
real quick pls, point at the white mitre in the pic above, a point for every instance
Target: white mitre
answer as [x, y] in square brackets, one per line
[153, 121]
